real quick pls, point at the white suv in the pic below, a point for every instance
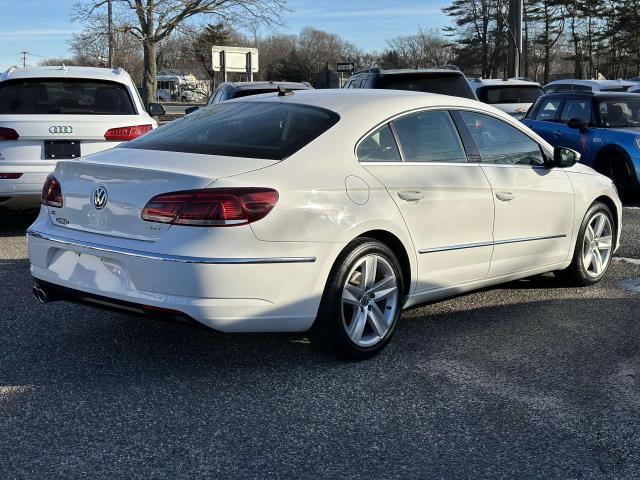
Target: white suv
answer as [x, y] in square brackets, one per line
[53, 113]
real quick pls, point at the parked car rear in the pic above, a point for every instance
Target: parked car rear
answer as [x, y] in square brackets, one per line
[445, 81]
[513, 96]
[53, 113]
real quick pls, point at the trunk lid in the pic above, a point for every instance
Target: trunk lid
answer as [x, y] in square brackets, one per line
[131, 177]
[34, 130]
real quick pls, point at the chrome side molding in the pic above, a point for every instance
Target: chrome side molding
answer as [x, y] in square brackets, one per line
[488, 244]
[98, 248]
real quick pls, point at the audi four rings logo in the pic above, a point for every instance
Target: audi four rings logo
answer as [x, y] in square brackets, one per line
[100, 197]
[60, 129]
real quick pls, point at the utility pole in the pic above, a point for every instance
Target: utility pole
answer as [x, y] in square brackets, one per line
[110, 26]
[515, 28]
[24, 59]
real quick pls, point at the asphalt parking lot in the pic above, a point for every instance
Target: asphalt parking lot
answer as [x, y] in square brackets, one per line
[528, 380]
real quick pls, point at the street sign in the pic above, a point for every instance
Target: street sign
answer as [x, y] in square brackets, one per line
[344, 67]
[234, 59]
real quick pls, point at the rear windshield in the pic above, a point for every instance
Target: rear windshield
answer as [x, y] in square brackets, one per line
[455, 85]
[269, 130]
[509, 94]
[66, 96]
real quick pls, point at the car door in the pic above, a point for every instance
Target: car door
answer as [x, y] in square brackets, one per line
[445, 200]
[544, 118]
[534, 204]
[575, 108]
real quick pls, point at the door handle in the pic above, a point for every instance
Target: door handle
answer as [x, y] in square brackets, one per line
[557, 133]
[411, 196]
[505, 196]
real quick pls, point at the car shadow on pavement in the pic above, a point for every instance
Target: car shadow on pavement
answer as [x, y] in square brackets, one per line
[15, 222]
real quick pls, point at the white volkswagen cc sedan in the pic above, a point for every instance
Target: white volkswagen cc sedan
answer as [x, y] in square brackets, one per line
[321, 211]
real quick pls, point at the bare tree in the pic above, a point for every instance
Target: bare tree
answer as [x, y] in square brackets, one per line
[427, 48]
[151, 21]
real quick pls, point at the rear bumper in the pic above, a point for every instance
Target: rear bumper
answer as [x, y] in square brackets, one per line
[232, 294]
[24, 191]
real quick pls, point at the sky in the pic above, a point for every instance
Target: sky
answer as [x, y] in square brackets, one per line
[43, 27]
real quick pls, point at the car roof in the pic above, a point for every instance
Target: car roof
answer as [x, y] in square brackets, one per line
[594, 94]
[275, 85]
[93, 73]
[594, 83]
[383, 102]
[482, 82]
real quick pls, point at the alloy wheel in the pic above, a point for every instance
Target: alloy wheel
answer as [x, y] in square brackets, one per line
[597, 245]
[369, 300]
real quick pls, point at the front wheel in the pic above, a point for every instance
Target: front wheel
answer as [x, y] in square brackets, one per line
[361, 303]
[594, 248]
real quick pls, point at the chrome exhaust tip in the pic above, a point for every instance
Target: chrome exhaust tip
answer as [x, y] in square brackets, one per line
[42, 295]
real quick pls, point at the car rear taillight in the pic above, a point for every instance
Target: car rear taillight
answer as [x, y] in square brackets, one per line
[124, 134]
[218, 207]
[8, 134]
[10, 176]
[52, 192]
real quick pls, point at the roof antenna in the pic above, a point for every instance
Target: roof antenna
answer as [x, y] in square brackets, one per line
[282, 92]
[64, 67]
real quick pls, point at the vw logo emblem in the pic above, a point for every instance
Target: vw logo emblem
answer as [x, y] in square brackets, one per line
[100, 197]
[60, 129]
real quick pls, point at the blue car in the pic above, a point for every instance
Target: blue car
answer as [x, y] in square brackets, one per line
[603, 127]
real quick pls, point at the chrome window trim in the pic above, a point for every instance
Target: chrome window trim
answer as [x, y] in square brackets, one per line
[96, 247]
[463, 246]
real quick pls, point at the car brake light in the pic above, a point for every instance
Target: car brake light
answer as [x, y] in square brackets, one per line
[219, 207]
[52, 192]
[124, 134]
[10, 176]
[8, 134]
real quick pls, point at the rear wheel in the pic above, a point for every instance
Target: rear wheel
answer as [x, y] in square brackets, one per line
[594, 248]
[361, 303]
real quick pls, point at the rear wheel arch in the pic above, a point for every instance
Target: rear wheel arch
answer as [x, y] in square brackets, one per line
[398, 248]
[607, 153]
[604, 164]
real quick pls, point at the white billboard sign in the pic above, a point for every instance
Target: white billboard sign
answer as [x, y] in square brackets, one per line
[234, 59]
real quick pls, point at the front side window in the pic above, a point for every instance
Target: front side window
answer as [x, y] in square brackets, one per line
[500, 143]
[429, 137]
[64, 96]
[548, 110]
[268, 130]
[577, 108]
[380, 146]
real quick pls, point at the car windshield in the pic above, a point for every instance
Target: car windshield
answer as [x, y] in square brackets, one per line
[509, 94]
[68, 96]
[619, 113]
[444, 84]
[268, 130]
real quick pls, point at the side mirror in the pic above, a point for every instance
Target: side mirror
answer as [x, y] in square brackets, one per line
[577, 124]
[564, 157]
[156, 109]
[191, 110]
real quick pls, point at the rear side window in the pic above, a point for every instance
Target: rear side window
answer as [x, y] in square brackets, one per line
[548, 110]
[455, 85]
[429, 137]
[500, 143]
[68, 96]
[269, 130]
[380, 146]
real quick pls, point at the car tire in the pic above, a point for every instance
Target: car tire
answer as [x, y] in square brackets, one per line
[621, 173]
[361, 303]
[591, 257]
